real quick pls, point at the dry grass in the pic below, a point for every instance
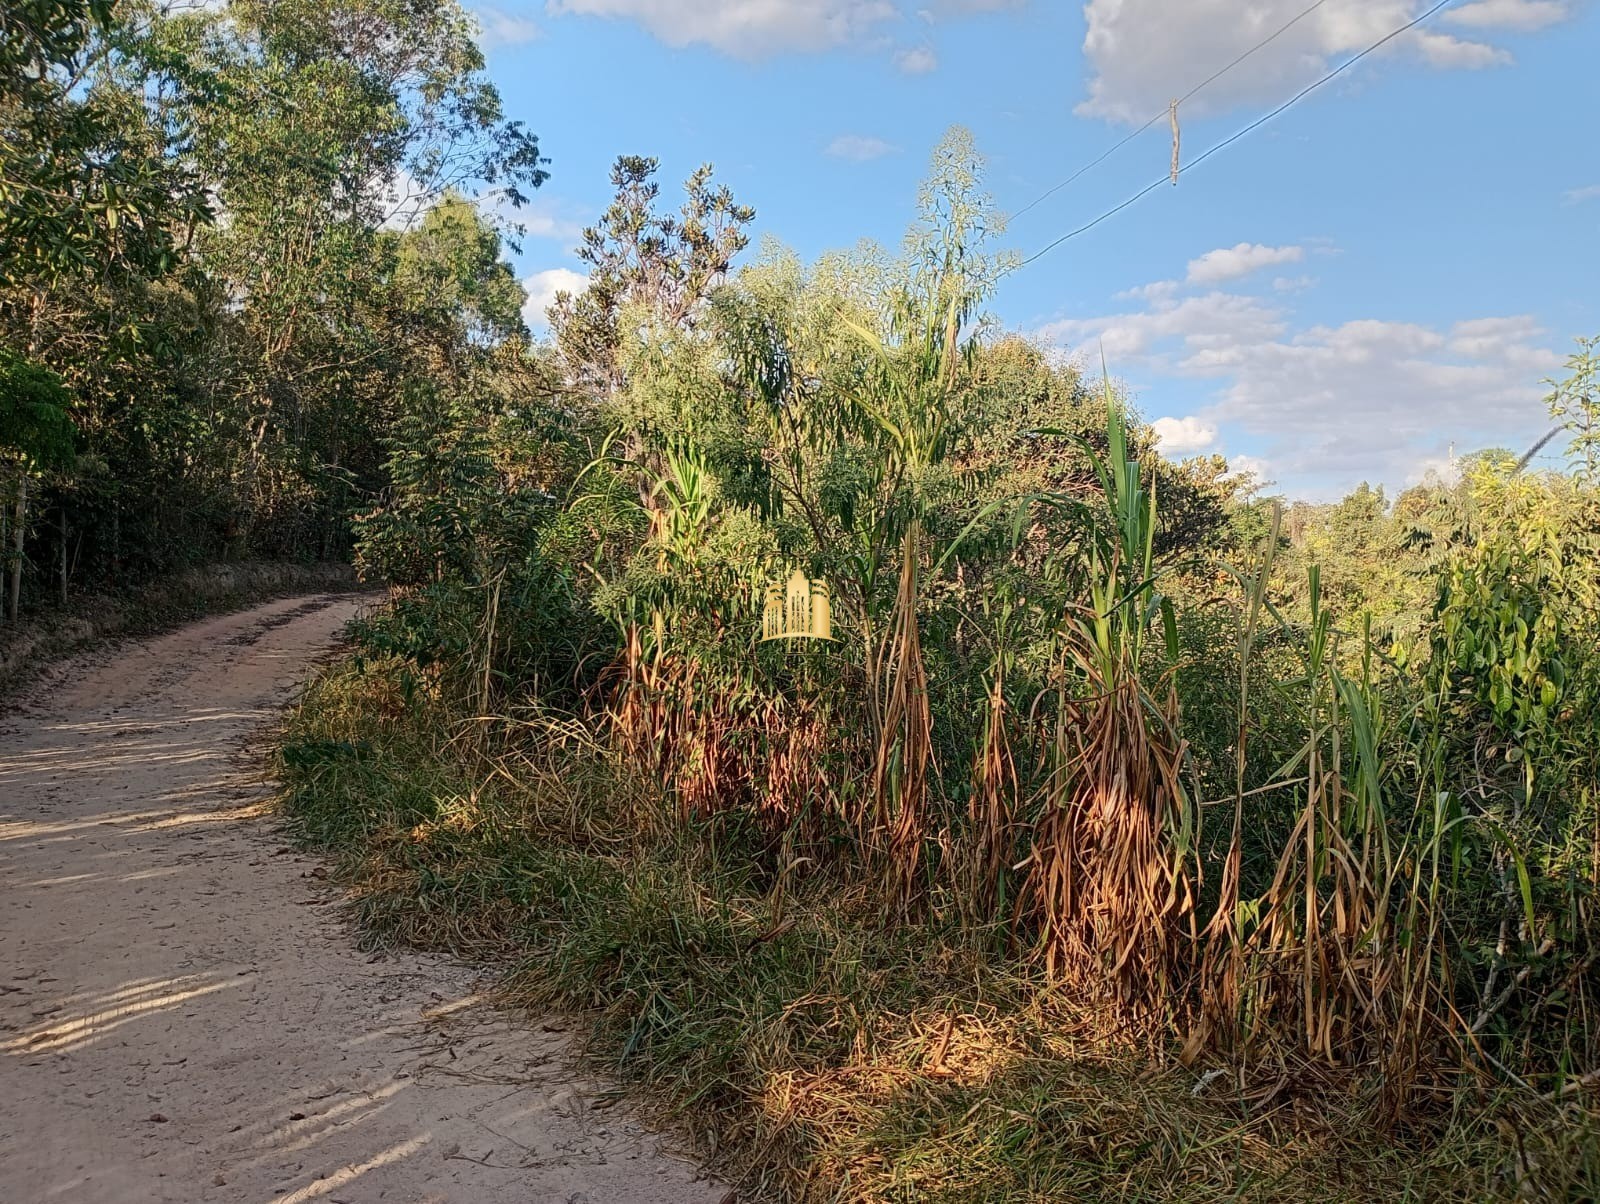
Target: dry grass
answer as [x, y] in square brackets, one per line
[1108, 878]
[991, 812]
[809, 1051]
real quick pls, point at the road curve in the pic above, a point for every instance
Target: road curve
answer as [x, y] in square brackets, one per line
[184, 1015]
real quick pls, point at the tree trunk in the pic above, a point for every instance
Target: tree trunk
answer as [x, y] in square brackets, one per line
[16, 541]
[5, 531]
[63, 575]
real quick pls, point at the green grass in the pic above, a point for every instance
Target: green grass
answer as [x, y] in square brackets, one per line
[803, 1047]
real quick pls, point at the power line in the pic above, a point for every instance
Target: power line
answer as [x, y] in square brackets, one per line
[1232, 138]
[1207, 82]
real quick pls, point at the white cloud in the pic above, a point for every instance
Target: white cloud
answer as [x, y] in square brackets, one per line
[748, 29]
[1252, 466]
[1227, 263]
[919, 60]
[1158, 290]
[1330, 405]
[858, 148]
[497, 28]
[1447, 50]
[540, 218]
[1142, 52]
[1509, 14]
[1182, 436]
[1361, 399]
[1576, 196]
[1212, 321]
[1491, 338]
[542, 288]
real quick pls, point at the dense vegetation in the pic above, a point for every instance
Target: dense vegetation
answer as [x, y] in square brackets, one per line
[1139, 835]
[208, 322]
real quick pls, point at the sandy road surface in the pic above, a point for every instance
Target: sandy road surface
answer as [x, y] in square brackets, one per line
[184, 1015]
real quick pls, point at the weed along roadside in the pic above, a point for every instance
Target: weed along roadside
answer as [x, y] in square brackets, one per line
[1072, 866]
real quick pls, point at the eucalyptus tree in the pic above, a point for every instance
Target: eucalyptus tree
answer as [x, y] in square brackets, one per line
[330, 111]
[97, 208]
[35, 434]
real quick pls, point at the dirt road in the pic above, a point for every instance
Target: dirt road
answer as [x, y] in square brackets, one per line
[184, 1015]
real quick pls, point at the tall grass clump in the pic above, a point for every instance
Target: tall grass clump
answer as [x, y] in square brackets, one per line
[1107, 851]
[1110, 876]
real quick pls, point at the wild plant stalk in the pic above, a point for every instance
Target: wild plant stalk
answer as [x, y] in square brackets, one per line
[1339, 963]
[992, 808]
[1110, 877]
[905, 744]
[909, 404]
[491, 621]
[1223, 959]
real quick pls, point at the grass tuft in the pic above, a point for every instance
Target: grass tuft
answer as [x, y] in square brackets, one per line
[803, 1047]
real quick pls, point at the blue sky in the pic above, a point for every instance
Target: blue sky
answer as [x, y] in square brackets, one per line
[1385, 271]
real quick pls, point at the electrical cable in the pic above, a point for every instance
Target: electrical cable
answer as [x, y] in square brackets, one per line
[1265, 42]
[1232, 138]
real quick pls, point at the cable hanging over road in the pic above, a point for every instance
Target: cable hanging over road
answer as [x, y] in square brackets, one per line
[1234, 137]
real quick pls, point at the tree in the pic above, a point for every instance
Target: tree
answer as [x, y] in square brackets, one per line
[329, 108]
[448, 272]
[667, 265]
[233, 381]
[91, 188]
[35, 434]
[1575, 403]
[94, 208]
[455, 300]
